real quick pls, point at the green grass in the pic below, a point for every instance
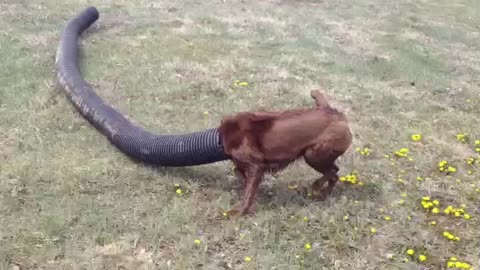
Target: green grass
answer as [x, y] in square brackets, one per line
[70, 200]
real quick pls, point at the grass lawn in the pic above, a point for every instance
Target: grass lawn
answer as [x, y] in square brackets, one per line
[70, 200]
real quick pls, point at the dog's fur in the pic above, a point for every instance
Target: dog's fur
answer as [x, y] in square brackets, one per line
[262, 142]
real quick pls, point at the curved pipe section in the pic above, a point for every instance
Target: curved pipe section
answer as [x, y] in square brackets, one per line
[191, 149]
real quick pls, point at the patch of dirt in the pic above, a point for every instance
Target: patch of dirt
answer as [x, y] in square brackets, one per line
[119, 256]
[110, 91]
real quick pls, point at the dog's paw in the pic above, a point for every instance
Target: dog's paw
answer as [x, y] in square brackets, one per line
[237, 212]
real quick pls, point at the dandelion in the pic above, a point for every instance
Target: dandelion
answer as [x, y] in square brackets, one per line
[307, 246]
[401, 202]
[351, 178]
[435, 210]
[450, 236]
[305, 219]
[403, 152]
[410, 252]
[466, 216]
[454, 263]
[292, 186]
[443, 166]
[243, 84]
[451, 169]
[346, 217]
[419, 178]
[470, 161]
[387, 218]
[422, 258]
[179, 192]
[247, 259]
[416, 137]
[364, 152]
[436, 202]
[373, 230]
[433, 223]
[462, 137]
[197, 241]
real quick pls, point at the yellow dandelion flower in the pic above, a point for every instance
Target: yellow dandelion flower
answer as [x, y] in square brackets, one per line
[307, 246]
[346, 217]
[388, 218]
[292, 186]
[462, 137]
[373, 230]
[426, 198]
[436, 202]
[243, 84]
[466, 216]
[433, 223]
[419, 178]
[450, 264]
[416, 137]
[422, 258]
[305, 219]
[435, 210]
[453, 259]
[247, 259]
[197, 241]
[179, 191]
[451, 169]
[410, 252]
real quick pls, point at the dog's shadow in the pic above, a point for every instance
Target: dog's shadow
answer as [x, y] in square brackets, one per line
[273, 193]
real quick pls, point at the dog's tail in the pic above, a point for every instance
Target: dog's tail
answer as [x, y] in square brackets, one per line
[320, 99]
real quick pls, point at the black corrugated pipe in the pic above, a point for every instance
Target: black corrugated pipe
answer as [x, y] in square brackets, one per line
[196, 148]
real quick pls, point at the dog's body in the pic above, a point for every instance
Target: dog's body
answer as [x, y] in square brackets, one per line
[261, 142]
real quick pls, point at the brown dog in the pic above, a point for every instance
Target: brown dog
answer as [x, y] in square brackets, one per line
[261, 142]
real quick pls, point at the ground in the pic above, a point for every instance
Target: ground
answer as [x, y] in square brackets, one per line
[70, 200]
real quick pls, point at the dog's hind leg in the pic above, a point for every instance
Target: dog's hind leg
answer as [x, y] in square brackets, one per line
[324, 164]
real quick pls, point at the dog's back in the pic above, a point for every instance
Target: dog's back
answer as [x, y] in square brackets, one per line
[286, 134]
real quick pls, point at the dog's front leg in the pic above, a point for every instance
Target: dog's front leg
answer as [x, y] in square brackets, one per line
[253, 177]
